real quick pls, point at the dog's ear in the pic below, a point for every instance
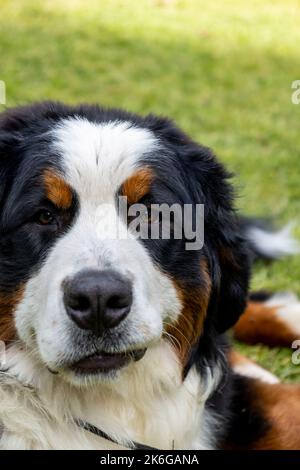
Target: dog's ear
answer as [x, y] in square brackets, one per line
[224, 246]
[3, 160]
[230, 271]
[12, 121]
[7, 143]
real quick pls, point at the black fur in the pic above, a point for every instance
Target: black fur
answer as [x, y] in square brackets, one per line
[260, 296]
[246, 422]
[24, 154]
[186, 173]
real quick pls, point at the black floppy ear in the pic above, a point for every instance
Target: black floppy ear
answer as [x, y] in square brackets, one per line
[3, 142]
[228, 252]
[12, 121]
[224, 247]
[232, 278]
[7, 143]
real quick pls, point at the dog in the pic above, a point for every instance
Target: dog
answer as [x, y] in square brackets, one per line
[119, 342]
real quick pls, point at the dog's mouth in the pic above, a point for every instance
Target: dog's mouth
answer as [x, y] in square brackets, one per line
[103, 362]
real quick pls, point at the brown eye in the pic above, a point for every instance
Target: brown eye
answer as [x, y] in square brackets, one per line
[153, 216]
[150, 215]
[44, 217]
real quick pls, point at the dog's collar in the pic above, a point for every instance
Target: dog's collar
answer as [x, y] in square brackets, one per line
[81, 423]
[98, 432]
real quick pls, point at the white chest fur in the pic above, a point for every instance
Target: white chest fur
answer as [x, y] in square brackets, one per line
[149, 404]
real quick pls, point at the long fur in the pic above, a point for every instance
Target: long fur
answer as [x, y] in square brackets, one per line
[66, 163]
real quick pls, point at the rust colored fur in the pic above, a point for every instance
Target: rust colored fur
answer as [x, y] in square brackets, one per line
[281, 406]
[57, 190]
[137, 185]
[259, 324]
[189, 325]
[278, 405]
[8, 302]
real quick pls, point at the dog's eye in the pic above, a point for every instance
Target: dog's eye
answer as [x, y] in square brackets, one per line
[151, 215]
[44, 217]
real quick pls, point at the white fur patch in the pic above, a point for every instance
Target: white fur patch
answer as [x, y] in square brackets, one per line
[146, 401]
[250, 369]
[97, 159]
[287, 310]
[274, 244]
[150, 405]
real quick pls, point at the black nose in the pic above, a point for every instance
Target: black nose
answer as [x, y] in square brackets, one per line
[97, 300]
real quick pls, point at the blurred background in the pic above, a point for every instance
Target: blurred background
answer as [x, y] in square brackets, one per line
[222, 69]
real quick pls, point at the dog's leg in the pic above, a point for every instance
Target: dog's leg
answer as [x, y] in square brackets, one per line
[264, 416]
[272, 320]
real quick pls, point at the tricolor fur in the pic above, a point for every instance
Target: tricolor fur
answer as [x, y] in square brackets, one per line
[73, 163]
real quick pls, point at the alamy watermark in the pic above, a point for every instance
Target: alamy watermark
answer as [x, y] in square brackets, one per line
[152, 222]
[2, 354]
[296, 354]
[295, 98]
[2, 92]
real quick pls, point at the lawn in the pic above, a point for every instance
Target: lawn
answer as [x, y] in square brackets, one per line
[223, 70]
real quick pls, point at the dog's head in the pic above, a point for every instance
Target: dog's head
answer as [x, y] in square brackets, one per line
[77, 284]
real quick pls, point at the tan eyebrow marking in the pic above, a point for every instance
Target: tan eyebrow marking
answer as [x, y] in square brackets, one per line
[137, 185]
[57, 190]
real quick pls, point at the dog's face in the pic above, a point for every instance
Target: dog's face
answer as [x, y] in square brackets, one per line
[77, 285]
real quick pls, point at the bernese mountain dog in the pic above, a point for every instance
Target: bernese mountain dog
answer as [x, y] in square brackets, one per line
[118, 342]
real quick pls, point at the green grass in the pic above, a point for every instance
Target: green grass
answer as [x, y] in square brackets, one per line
[223, 70]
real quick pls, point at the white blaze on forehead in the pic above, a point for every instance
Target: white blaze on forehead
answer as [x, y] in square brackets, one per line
[98, 157]
[96, 160]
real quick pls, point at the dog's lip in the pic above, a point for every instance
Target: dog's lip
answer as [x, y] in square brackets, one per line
[104, 362]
